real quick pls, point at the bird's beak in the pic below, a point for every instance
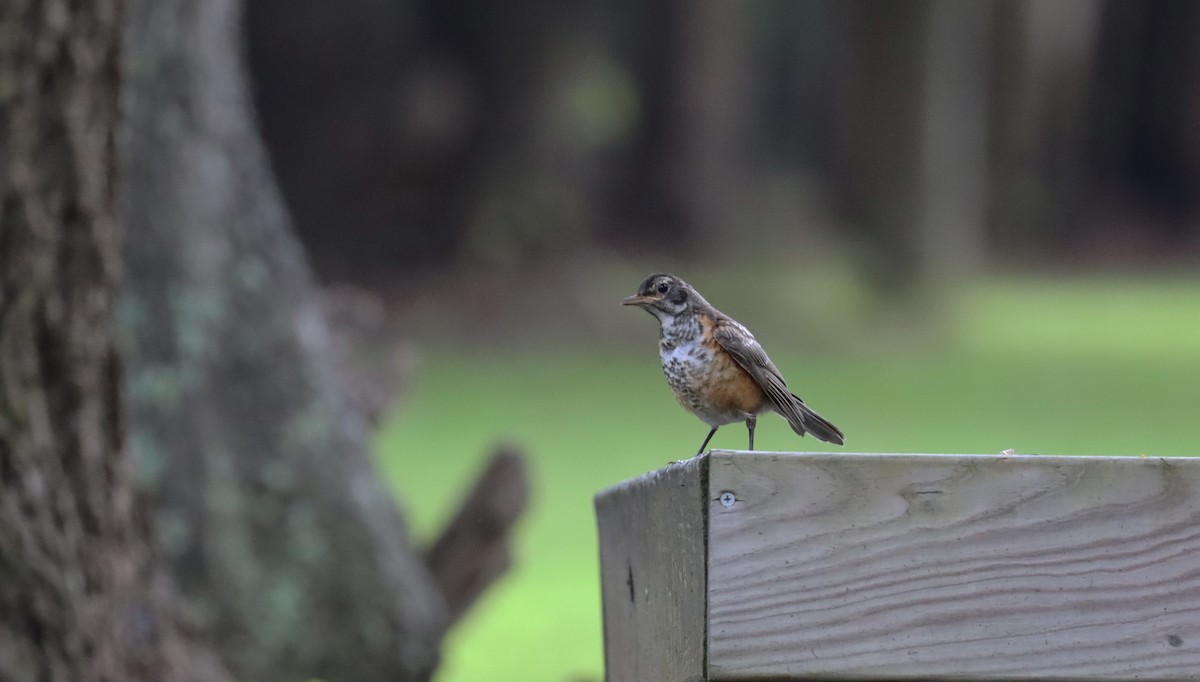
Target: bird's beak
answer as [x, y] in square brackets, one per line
[637, 299]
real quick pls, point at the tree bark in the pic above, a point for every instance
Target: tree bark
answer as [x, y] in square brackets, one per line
[82, 597]
[292, 555]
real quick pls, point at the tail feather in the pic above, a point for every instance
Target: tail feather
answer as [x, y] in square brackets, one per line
[803, 419]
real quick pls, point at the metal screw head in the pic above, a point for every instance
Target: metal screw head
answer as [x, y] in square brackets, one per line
[727, 499]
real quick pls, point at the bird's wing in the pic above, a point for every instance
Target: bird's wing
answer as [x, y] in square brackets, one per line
[741, 344]
[744, 348]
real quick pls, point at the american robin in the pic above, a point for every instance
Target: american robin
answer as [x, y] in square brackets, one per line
[716, 368]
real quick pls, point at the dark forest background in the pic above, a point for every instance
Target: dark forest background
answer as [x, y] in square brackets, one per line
[937, 137]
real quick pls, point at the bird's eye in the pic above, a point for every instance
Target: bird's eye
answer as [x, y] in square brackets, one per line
[663, 288]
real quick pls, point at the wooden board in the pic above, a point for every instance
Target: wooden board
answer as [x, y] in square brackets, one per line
[957, 567]
[652, 538]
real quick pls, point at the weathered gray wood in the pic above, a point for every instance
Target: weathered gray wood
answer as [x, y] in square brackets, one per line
[952, 567]
[917, 567]
[652, 538]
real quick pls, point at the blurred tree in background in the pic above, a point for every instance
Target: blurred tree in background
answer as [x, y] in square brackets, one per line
[293, 557]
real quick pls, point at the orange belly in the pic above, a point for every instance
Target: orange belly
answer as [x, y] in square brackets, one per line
[730, 388]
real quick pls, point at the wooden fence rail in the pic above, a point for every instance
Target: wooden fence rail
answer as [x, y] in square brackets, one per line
[790, 566]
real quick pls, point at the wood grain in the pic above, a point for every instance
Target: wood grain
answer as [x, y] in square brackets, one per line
[953, 567]
[652, 537]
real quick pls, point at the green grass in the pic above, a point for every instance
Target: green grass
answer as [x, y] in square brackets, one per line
[1063, 367]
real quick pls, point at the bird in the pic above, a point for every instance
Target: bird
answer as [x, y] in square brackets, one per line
[716, 368]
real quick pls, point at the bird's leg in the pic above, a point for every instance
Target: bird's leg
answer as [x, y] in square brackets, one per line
[750, 424]
[706, 439]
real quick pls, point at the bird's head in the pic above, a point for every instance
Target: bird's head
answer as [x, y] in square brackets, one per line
[663, 296]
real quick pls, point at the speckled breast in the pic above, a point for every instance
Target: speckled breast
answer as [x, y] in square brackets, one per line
[709, 383]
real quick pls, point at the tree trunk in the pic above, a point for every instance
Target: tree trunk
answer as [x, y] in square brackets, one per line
[1043, 82]
[292, 555]
[913, 168]
[705, 108]
[82, 598]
